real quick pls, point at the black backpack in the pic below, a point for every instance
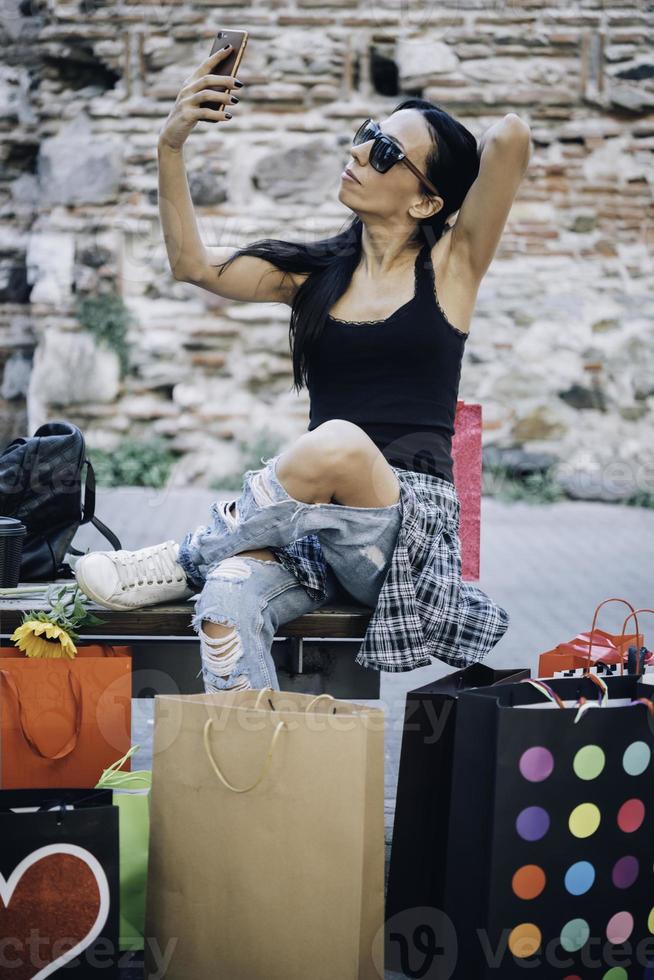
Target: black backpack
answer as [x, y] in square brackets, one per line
[41, 485]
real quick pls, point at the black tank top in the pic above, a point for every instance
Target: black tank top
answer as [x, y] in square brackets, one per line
[398, 378]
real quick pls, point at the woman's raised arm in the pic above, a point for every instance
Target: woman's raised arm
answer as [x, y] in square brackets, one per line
[247, 277]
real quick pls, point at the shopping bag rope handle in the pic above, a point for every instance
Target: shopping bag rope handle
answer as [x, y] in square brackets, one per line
[310, 704]
[317, 698]
[70, 745]
[126, 780]
[633, 614]
[119, 763]
[114, 776]
[583, 702]
[588, 666]
[262, 691]
[544, 689]
[216, 768]
[644, 609]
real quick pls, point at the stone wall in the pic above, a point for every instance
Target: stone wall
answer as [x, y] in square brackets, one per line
[561, 353]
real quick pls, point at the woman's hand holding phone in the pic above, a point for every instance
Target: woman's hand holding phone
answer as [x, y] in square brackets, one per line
[187, 110]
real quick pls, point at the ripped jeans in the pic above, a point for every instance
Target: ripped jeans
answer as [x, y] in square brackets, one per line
[254, 596]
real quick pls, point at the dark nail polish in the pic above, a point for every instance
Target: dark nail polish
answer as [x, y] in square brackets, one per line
[234, 99]
[238, 84]
[228, 115]
[225, 46]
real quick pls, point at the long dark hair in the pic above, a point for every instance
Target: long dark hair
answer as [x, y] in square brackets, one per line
[452, 166]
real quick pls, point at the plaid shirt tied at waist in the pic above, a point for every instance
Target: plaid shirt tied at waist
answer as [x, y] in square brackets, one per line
[424, 609]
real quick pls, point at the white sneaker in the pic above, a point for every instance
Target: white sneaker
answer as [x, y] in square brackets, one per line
[132, 579]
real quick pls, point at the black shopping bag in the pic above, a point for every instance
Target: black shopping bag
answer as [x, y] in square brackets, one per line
[419, 844]
[58, 883]
[549, 868]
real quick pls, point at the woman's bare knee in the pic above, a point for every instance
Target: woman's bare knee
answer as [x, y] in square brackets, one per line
[340, 436]
[356, 471]
[367, 480]
[304, 470]
[337, 462]
[308, 469]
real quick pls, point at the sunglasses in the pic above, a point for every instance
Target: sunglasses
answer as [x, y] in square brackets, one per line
[385, 152]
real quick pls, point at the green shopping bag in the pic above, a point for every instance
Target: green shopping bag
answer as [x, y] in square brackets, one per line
[131, 795]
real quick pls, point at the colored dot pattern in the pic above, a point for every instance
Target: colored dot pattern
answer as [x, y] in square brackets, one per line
[528, 881]
[630, 815]
[586, 817]
[636, 758]
[574, 935]
[533, 823]
[625, 871]
[536, 763]
[579, 877]
[589, 762]
[524, 940]
[584, 820]
[619, 927]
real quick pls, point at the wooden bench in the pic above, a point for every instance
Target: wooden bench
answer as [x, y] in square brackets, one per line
[312, 654]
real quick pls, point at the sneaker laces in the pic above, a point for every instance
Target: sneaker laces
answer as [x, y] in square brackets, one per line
[136, 567]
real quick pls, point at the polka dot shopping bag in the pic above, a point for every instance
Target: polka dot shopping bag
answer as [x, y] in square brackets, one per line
[550, 868]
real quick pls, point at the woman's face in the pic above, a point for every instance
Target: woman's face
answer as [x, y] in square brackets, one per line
[394, 192]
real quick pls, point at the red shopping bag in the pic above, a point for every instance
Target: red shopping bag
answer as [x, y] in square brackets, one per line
[466, 459]
[587, 649]
[62, 722]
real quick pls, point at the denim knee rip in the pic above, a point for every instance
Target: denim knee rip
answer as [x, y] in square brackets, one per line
[261, 488]
[221, 654]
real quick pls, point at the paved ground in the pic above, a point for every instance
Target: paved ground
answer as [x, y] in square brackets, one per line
[549, 565]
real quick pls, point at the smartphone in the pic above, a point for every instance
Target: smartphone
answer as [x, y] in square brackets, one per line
[230, 64]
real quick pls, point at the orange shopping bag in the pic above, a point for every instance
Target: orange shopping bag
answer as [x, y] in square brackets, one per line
[586, 650]
[62, 722]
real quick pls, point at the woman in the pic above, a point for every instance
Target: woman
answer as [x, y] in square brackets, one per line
[363, 503]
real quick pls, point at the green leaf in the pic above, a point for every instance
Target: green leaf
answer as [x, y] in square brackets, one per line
[91, 620]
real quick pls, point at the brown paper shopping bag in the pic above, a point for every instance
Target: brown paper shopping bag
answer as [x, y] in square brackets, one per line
[266, 838]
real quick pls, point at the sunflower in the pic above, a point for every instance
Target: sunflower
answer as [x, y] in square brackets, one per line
[55, 643]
